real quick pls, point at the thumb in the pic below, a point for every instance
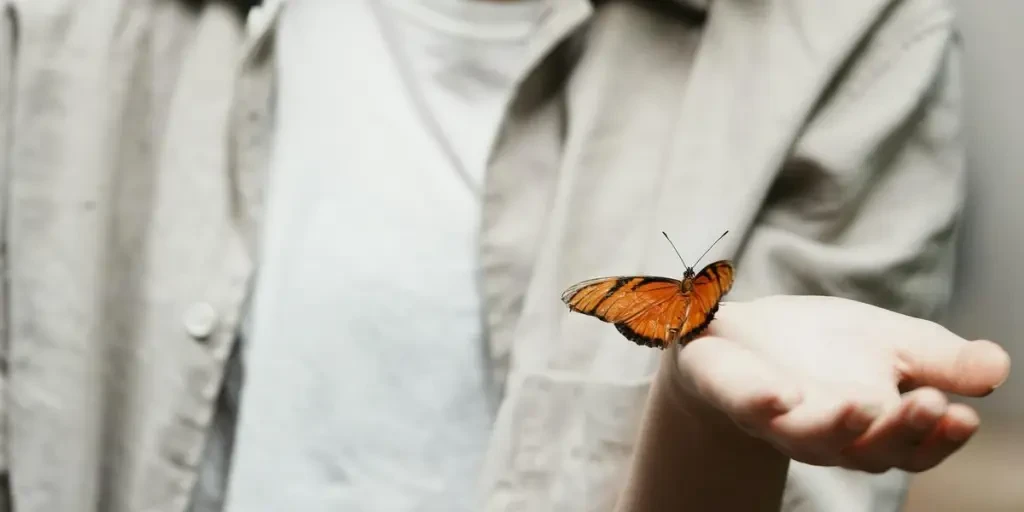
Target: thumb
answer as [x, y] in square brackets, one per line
[931, 355]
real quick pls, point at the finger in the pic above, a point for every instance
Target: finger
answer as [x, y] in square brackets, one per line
[737, 381]
[951, 433]
[816, 435]
[896, 437]
[931, 355]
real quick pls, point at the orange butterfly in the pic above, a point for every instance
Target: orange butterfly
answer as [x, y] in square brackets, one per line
[656, 311]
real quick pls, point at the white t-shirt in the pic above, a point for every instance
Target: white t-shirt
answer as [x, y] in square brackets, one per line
[366, 386]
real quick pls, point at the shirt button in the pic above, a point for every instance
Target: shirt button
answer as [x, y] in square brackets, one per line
[200, 320]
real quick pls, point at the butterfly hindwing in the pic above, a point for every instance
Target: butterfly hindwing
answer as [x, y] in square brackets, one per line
[658, 325]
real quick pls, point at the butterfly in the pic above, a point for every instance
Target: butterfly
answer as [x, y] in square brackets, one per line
[656, 311]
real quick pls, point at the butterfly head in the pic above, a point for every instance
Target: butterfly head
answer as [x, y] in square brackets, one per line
[687, 282]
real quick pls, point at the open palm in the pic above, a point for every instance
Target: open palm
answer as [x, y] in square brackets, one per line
[836, 382]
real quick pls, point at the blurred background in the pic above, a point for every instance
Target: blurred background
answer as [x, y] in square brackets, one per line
[988, 474]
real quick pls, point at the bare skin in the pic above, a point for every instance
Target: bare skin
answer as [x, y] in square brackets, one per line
[815, 379]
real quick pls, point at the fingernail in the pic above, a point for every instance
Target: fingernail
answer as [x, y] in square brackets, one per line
[996, 357]
[1001, 382]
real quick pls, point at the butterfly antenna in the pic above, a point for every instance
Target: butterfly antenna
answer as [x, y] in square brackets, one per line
[709, 248]
[674, 249]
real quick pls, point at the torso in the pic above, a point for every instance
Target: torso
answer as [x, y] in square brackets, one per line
[365, 371]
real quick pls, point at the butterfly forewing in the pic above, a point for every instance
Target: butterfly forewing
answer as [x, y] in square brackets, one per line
[616, 299]
[709, 286]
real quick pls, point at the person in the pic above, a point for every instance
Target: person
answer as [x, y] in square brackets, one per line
[327, 277]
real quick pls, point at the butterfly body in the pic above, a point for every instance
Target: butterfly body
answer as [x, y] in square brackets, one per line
[655, 311]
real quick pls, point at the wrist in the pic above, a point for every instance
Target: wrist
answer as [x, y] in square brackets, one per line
[703, 417]
[687, 401]
[686, 439]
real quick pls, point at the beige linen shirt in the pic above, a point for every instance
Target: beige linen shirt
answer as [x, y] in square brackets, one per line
[824, 135]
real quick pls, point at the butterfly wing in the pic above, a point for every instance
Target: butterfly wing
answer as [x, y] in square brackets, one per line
[649, 311]
[709, 286]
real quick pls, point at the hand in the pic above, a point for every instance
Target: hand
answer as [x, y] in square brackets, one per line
[820, 379]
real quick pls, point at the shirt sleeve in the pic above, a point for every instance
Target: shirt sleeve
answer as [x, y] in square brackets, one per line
[868, 204]
[8, 33]
[867, 207]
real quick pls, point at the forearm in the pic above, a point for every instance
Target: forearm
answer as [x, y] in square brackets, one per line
[690, 458]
